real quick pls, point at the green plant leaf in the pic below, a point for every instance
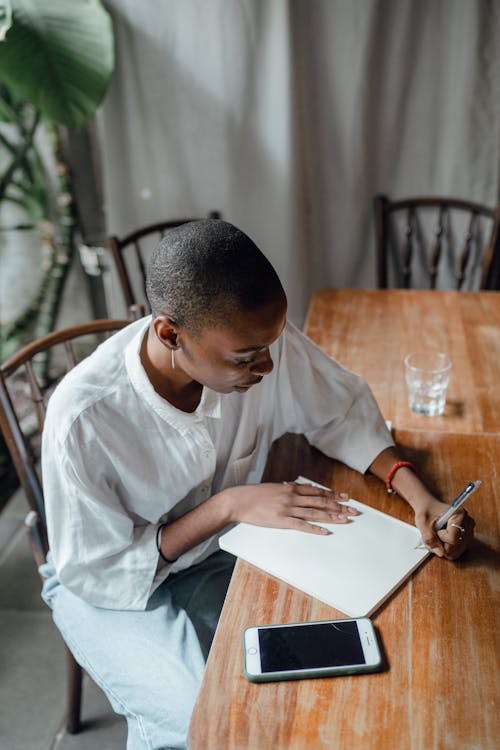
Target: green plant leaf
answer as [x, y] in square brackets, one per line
[59, 55]
[7, 114]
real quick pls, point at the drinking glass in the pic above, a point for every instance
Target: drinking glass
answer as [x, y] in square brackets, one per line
[427, 377]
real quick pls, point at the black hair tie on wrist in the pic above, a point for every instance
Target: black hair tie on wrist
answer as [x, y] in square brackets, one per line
[158, 544]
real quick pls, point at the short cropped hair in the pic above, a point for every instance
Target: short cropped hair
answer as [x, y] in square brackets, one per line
[203, 271]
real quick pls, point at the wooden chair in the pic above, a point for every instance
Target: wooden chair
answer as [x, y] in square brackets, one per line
[20, 377]
[437, 242]
[130, 255]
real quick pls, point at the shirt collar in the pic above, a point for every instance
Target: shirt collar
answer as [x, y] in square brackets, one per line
[210, 402]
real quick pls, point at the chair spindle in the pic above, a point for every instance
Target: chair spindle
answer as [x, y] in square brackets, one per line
[70, 355]
[408, 254]
[436, 250]
[141, 264]
[472, 234]
[36, 394]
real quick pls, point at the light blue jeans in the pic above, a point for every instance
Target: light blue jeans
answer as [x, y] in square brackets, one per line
[149, 664]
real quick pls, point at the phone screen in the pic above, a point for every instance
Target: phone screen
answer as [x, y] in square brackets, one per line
[310, 646]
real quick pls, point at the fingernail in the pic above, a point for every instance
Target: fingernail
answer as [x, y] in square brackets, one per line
[343, 495]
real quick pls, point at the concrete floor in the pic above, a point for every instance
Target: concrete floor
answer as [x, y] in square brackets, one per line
[32, 660]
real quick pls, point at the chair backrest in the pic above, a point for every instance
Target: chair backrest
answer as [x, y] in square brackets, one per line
[26, 381]
[437, 243]
[131, 254]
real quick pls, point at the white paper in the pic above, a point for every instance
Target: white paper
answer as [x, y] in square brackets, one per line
[353, 569]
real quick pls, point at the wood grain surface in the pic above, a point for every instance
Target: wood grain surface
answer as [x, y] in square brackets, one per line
[438, 688]
[371, 330]
[439, 634]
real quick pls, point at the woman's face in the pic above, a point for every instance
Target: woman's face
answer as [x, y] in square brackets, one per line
[236, 356]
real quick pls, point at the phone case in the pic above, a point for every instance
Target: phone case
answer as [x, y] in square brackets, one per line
[304, 674]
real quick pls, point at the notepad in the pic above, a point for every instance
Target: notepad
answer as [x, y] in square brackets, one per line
[354, 569]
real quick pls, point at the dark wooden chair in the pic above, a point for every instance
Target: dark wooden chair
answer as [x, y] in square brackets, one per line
[437, 243]
[29, 377]
[131, 253]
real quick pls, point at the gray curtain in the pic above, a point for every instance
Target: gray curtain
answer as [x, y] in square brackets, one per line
[288, 116]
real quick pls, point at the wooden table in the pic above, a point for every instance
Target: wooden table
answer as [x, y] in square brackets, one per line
[439, 688]
[370, 331]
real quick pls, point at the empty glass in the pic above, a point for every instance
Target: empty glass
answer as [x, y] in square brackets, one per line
[427, 377]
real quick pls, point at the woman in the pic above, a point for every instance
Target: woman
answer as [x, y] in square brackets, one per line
[157, 442]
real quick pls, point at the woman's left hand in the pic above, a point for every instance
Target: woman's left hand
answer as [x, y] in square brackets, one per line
[456, 536]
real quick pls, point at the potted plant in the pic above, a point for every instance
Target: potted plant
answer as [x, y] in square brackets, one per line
[56, 60]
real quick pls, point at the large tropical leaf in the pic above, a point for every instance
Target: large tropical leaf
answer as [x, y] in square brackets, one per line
[59, 55]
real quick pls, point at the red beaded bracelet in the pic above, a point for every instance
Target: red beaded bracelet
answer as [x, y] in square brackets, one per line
[394, 469]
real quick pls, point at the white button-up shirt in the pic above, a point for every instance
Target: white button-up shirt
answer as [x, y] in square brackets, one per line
[117, 459]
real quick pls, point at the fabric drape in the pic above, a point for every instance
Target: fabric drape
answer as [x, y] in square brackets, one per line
[288, 116]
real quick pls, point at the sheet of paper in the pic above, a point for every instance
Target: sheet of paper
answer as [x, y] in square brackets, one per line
[354, 569]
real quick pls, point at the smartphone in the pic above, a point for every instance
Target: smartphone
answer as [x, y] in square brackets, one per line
[310, 649]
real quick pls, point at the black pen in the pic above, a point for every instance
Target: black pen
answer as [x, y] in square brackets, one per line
[455, 505]
[457, 502]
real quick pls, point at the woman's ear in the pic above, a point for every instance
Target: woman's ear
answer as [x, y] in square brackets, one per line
[167, 331]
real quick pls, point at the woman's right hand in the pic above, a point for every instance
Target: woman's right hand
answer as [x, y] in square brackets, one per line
[289, 505]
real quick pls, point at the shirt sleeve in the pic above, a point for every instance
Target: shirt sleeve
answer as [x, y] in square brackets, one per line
[332, 406]
[102, 553]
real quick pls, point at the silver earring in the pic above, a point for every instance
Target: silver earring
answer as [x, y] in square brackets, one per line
[173, 359]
